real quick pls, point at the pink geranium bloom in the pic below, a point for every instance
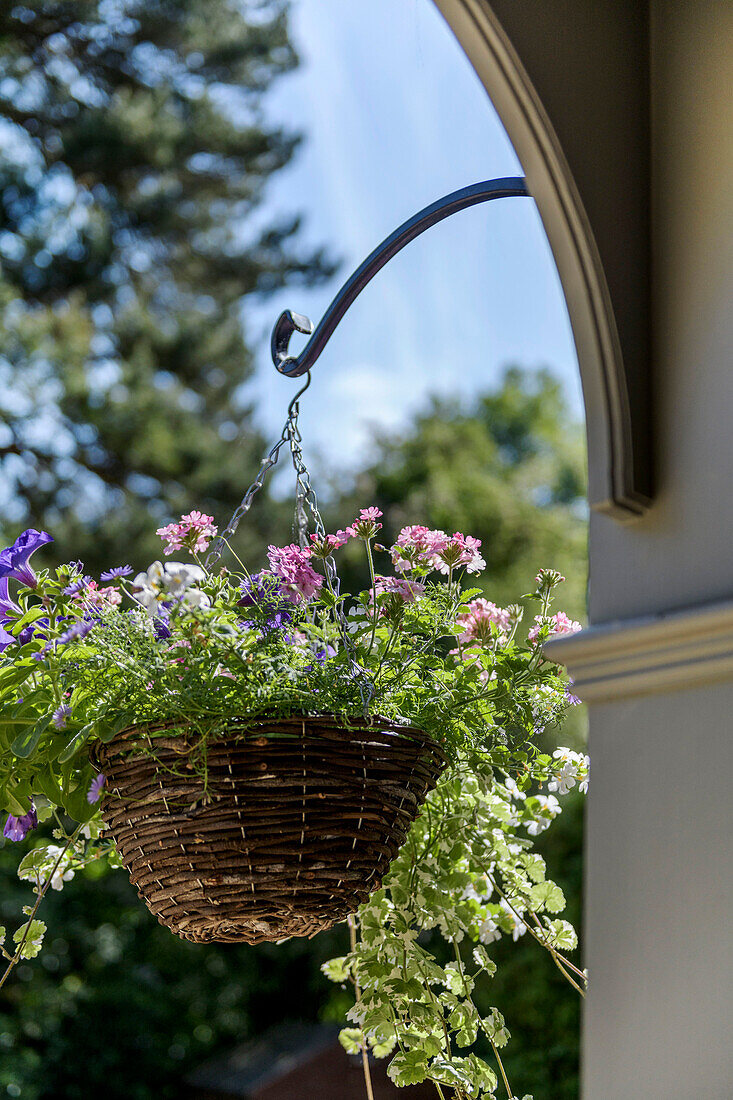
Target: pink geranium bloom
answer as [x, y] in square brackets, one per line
[417, 547]
[324, 545]
[100, 597]
[408, 591]
[192, 532]
[559, 623]
[460, 552]
[366, 526]
[478, 620]
[291, 565]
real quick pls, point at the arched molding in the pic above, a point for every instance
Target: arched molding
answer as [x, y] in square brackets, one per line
[619, 459]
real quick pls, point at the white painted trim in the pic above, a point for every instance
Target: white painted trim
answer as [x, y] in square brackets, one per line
[670, 652]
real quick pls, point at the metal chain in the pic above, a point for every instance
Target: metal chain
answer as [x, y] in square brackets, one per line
[270, 460]
[305, 497]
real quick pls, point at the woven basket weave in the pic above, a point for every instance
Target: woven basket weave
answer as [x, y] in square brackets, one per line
[302, 820]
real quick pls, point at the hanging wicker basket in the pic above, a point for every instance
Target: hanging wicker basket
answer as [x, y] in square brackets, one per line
[301, 819]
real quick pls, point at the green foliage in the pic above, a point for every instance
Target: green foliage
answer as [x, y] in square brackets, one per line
[116, 1006]
[409, 649]
[467, 873]
[135, 156]
[509, 468]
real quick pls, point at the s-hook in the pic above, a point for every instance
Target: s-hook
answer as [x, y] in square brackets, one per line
[288, 322]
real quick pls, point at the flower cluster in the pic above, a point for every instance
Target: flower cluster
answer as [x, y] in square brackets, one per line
[482, 622]
[86, 659]
[552, 626]
[366, 526]
[419, 548]
[192, 532]
[163, 585]
[407, 591]
[571, 768]
[292, 565]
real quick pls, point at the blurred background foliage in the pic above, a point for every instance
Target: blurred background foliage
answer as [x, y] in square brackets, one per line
[134, 159]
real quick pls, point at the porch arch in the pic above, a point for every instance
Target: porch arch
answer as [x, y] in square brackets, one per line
[609, 316]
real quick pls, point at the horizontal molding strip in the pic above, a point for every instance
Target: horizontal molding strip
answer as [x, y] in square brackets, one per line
[632, 657]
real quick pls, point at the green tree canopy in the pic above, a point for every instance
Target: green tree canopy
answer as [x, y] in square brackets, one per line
[134, 158]
[509, 469]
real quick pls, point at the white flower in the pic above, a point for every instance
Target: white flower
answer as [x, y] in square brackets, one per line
[480, 891]
[173, 580]
[60, 877]
[488, 931]
[63, 872]
[583, 785]
[518, 925]
[179, 576]
[194, 597]
[549, 808]
[514, 790]
[573, 765]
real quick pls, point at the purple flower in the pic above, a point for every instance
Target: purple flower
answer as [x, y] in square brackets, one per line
[6, 604]
[17, 828]
[95, 791]
[265, 593]
[117, 571]
[161, 628]
[76, 586]
[60, 715]
[322, 653]
[14, 559]
[572, 699]
[77, 631]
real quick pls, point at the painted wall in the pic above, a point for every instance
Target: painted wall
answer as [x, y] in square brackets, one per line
[659, 885]
[658, 927]
[681, 552]
[659, 899]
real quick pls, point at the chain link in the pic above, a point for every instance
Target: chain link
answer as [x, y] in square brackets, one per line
[305, 498]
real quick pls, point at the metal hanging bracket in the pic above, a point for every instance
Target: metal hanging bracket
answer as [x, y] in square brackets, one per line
[289, 322]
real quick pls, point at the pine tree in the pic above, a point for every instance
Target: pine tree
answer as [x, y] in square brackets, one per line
[134, 158]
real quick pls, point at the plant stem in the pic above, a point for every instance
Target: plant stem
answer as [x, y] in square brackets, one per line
[351, 920]
[560, 961]
[42, 893]
[509, 1092]
[370, 559]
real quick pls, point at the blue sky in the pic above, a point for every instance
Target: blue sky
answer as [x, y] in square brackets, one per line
[394, 117]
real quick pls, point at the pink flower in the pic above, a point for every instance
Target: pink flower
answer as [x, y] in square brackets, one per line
[291, 565]
[324, 545]
[100, 597]
[416, 548]
[460, 552]
[478, 620]
[366, 526]
[407, 591]
[193, 532]
[547, 579]
[558, 623]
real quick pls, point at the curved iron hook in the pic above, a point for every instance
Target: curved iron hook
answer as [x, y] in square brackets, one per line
[289, 322]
